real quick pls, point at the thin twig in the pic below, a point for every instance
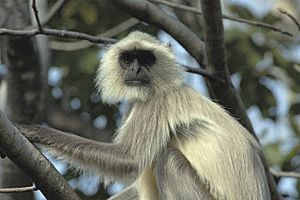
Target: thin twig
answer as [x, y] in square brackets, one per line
[290, 16]
[79, 45]
[36, 14]
[57, 33]
[285, 174]
[18, 190]
[51, 13]
[245, 21]
[202, 72]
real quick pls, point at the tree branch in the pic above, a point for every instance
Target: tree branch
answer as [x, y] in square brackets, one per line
[216, 62]
[145, 11]
[202, 72]
[57, 33]
[33, 163]
[290, 16]
[51, 13]
[36, 15]
[79, 45]
[244, 21]
[93, 39]
[285, 174]
[18, 190]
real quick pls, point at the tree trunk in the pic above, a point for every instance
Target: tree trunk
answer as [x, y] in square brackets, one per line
[25, 86]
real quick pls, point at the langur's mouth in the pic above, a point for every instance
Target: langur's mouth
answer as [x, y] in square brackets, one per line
[137, 82]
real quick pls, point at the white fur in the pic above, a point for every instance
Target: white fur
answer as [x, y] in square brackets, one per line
[222, 152]
[110, 81]
[167, 115]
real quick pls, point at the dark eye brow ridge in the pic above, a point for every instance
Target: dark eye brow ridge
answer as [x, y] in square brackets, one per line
[144, 57]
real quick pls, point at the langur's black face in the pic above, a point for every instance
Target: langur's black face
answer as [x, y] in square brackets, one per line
[136, 65]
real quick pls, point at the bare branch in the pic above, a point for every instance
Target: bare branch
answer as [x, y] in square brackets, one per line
[79, 45]
[245, 21]
[36, 14]
[285, 174]
[18, 190]
[290, 16]
[33, 163]
[51, 13]
[57, 33]
[94, 39]
[202, 72]
[216, 61]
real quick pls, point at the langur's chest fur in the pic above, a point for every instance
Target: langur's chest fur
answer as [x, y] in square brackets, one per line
[151, 124]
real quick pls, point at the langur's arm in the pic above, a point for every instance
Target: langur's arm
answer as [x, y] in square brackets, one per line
[110, 159]
[176, 179]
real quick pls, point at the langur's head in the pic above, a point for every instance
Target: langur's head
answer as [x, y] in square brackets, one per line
[136, 68]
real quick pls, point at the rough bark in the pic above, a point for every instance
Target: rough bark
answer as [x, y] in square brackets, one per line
[24, 85]
[33, 163]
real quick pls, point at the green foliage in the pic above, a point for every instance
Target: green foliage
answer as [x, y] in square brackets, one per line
[274, 154]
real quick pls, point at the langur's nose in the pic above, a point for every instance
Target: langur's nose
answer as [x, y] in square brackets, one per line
[135, 66]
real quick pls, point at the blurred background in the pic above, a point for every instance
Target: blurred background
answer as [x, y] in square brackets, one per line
[264, 67]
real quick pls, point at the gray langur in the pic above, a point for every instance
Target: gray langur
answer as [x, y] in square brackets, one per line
[174, 144]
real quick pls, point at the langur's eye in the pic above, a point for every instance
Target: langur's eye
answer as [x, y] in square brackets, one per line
[146, 58]
[126, 59]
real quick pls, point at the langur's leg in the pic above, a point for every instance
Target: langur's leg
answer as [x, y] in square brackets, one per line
[129, 193]
[177, 180]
